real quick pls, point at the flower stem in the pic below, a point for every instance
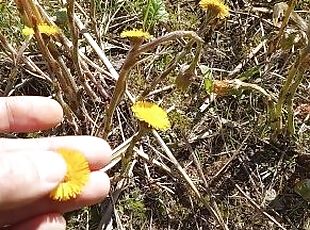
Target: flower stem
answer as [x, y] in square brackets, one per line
[172, 66]
[292, 91]
[120, 87]
[128, 154]
[287, 16]
[288, 90]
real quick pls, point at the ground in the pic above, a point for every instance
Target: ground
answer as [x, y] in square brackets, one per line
[244, 176]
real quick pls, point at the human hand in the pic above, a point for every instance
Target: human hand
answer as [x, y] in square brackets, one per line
[31, 168]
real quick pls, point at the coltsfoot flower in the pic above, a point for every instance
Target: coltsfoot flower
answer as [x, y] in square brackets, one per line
[135, 33]
[215, 7]
[77, 175]
[43, 28]
[152, 114]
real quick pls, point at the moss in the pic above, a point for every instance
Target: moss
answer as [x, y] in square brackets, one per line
[132, 205]
[180, 120]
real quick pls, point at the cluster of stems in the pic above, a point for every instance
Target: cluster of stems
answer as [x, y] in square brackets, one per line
[65, 79]
[292, 81]
[61, 76]
[287, 93]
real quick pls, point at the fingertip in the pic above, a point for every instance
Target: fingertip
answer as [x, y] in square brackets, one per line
[50, 111]
[103, 149]
[97, 188]
[97, 151]
[58, 110]
[51, 168]
[29, 113]
[52, 221]
[95, 191]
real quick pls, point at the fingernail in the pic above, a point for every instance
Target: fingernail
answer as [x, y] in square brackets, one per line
[51, 167]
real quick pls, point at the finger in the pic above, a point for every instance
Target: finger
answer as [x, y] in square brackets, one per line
[27, 114]
[53, 221]
[25, 176]
[96, 150]
[95, 191]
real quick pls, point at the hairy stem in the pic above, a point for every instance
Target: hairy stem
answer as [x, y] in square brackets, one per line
[120, 87]
[128, 154]
[286, 88]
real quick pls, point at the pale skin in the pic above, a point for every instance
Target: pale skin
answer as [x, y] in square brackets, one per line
[31, 168]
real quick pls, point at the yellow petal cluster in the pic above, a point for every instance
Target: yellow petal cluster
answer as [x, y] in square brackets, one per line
[152, 114]
[135, 33]
[43, 28]
[215, 7]
[77, 175]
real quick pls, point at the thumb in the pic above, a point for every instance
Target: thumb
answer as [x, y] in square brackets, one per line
[27, 176]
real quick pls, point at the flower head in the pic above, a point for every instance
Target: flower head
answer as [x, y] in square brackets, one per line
[135, 33]
[216, 7]
[43, 28]
[152, 114]
[76, 177]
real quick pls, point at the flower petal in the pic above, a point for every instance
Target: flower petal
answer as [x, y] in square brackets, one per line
[76, 178]
[151, 114]
[135, 33]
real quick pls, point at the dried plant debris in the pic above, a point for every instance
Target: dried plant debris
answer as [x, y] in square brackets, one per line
[205, 104]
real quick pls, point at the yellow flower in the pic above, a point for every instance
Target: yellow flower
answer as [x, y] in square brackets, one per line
[43, 28]
[216, 7]
[135, 33]
[77, 175]
[151, 114]
[27, 31]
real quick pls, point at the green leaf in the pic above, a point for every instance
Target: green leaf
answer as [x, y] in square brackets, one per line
[249, 73]
[303, 189]
[158, 11]
[61, 17]
[208, 78]
[155, 11]
[208, 83]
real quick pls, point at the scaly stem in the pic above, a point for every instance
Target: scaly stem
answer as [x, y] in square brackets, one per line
[169, 37]
[292, 92]
[173, 64]
[287, 16]
[286, 88]
[197, 56]
[120, 87]
[36, 12]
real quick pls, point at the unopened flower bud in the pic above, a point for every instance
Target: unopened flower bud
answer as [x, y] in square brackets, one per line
[222, 88]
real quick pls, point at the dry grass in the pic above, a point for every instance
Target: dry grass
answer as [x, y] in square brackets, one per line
[244, 180]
